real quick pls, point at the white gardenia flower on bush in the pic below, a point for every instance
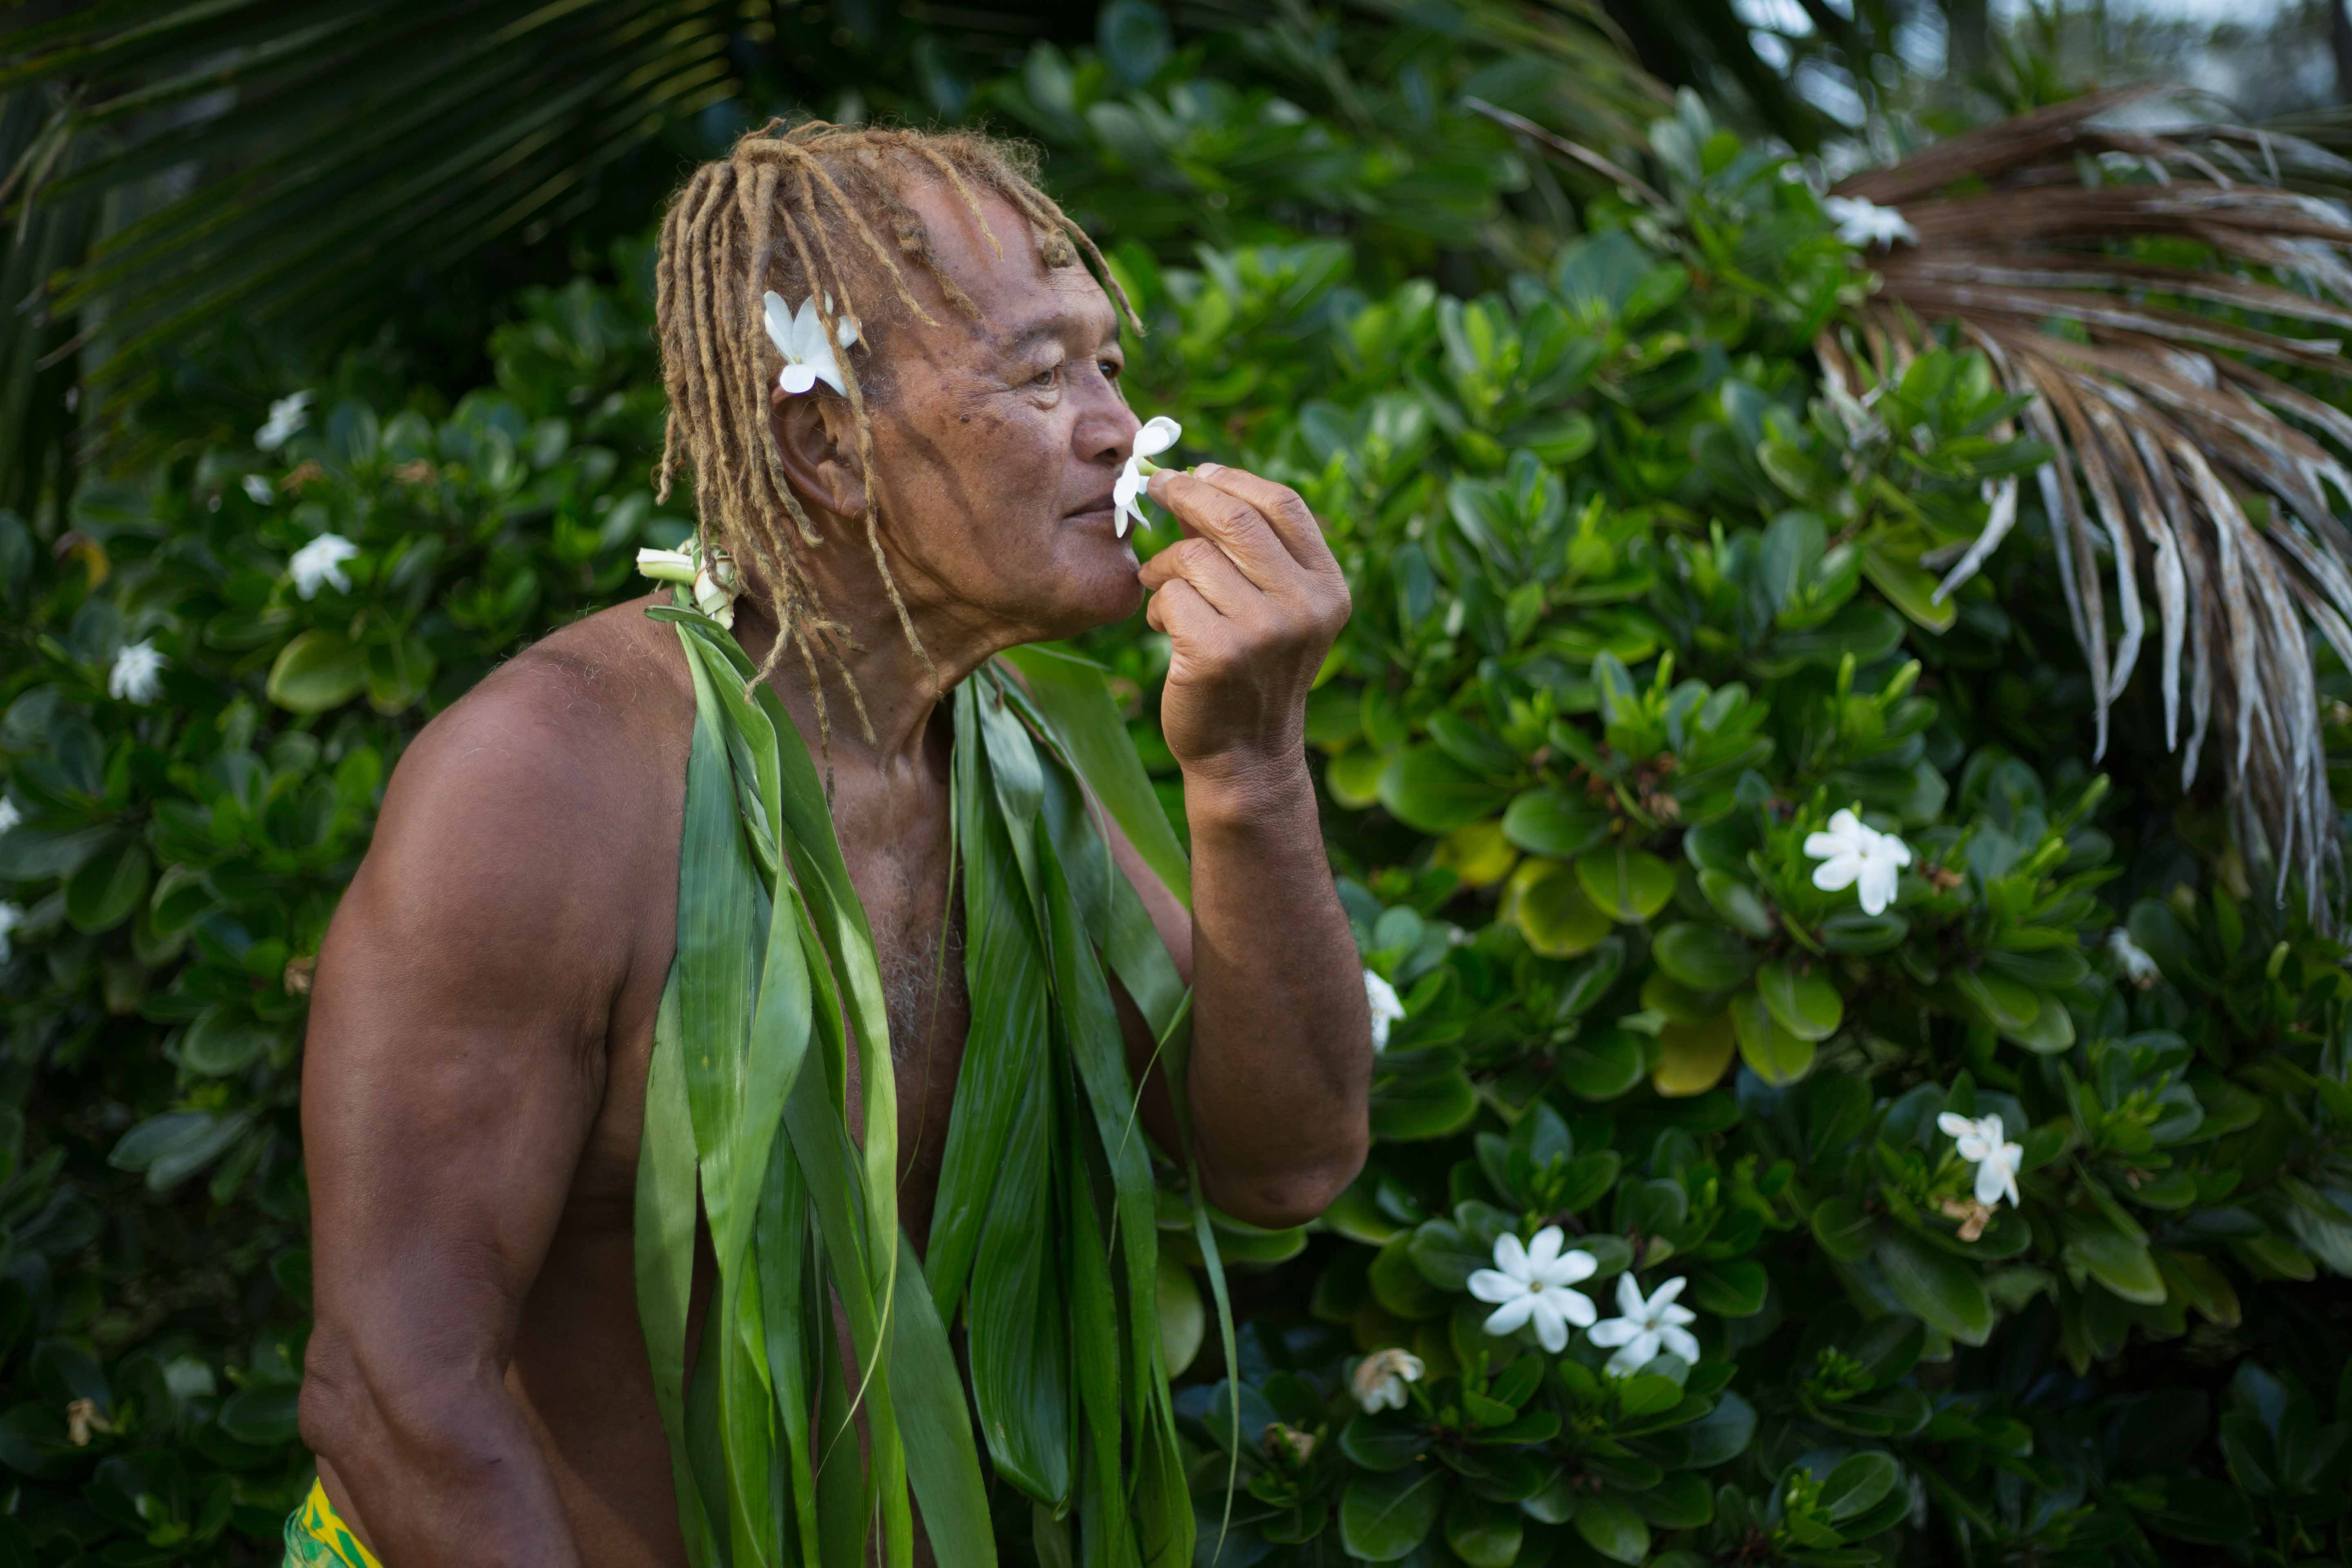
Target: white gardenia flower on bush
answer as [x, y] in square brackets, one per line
[9, 815]
[1853, 854]
[320, 562]
[1379, 1379]
[1159, 433]
[1863, 223]
[1387, 1008]
[11, 916]
[1530, 1282]
[287, 415]
[137, 675]
[799, 336]
[2138, 967]
[1646, 1327]
[1981, 1143]
[258, 490]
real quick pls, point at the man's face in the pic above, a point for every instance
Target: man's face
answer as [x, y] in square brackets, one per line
[998, 450]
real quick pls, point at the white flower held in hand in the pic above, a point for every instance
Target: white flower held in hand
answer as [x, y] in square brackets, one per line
[1387, 1008]
[799, 336]
[1159, 433]
[1646, 1327]
[287, 415]
[321, 562]
[11, 916]
[1855, 855]
[137, 675]
[1379, 1379]
[1531, 1281]
[1980, 1143]
[1862, 223]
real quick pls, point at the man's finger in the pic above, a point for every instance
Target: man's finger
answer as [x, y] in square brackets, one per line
[1178, 609]
[1217, 515]
[1290, 519]
[1205, 564]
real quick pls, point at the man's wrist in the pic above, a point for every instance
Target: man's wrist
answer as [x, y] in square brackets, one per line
[1238, 791]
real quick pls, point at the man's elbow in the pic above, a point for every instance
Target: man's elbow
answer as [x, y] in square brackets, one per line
[1298, 1192]
[360, 1415]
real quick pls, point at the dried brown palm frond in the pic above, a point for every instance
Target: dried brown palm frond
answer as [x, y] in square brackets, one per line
[2182, 444]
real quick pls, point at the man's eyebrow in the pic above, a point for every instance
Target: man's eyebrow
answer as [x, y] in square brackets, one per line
[1048, 328]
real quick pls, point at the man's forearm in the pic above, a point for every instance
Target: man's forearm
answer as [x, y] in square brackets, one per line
[1282, 1040]
[439, 1466]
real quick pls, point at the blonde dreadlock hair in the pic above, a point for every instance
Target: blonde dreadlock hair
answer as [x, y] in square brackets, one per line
[794, 210]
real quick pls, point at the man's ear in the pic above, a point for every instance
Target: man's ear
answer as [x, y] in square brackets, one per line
[818, 437]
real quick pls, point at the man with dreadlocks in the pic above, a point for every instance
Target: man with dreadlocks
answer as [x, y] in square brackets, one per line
[894, 387]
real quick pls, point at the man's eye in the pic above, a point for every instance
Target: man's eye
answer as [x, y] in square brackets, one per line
[1111, 370]
[1047, 377]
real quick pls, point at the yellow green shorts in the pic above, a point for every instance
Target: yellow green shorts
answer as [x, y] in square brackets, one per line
[317, 1538]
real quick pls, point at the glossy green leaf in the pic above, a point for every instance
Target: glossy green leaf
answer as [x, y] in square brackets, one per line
[1628, 885]
[1703, 957]
[1802, 1001]
[1546, 822]
[1430, 791]
[1611, 1527]
[1943, 1291]
[1771, 1052]
[316, 671]
[1383, 1517]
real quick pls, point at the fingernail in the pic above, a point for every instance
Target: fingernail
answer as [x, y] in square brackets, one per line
[1205, 470]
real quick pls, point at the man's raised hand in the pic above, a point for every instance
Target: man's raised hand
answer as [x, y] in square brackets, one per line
[1250, 599]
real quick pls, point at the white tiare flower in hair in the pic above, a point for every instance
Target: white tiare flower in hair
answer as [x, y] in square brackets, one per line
[1863, 223]
[1387, 1008]
[1980, 1143]
[1379, 1379]
[11, 916]
[137, 675]
[287, 415]
[799, 336]
[1853, 854]
[258, 490]
[320, 563]
[9, 815]
[2138, 966]
[1646, 1327]
[1530, 1282]
[1159, 433]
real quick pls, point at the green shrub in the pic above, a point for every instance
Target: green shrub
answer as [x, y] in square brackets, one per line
[1637, 612]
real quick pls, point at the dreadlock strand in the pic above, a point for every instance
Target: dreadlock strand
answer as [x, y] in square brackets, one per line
[863, 423]
[813, 167]
[916, 241]
[933, 156]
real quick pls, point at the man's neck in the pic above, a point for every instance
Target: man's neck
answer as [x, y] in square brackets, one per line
[898, 687]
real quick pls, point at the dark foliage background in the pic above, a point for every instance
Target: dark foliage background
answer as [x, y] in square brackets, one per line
[1635, 611]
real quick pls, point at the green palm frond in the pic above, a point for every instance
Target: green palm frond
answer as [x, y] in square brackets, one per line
[2159, 300]
[290, 158]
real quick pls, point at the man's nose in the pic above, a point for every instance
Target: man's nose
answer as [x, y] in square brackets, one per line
[1107, 428]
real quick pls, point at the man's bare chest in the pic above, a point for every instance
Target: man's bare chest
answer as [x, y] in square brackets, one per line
[919, 952]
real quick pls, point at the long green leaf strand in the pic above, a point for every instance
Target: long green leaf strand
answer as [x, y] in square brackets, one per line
[1044, 1245]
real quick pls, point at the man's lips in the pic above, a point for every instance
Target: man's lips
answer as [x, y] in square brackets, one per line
[1087, 512]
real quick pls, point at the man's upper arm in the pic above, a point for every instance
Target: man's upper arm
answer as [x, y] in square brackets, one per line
[455, 1060]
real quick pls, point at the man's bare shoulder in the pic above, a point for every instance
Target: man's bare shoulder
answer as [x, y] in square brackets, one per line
[554, 786]
[578, 724]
